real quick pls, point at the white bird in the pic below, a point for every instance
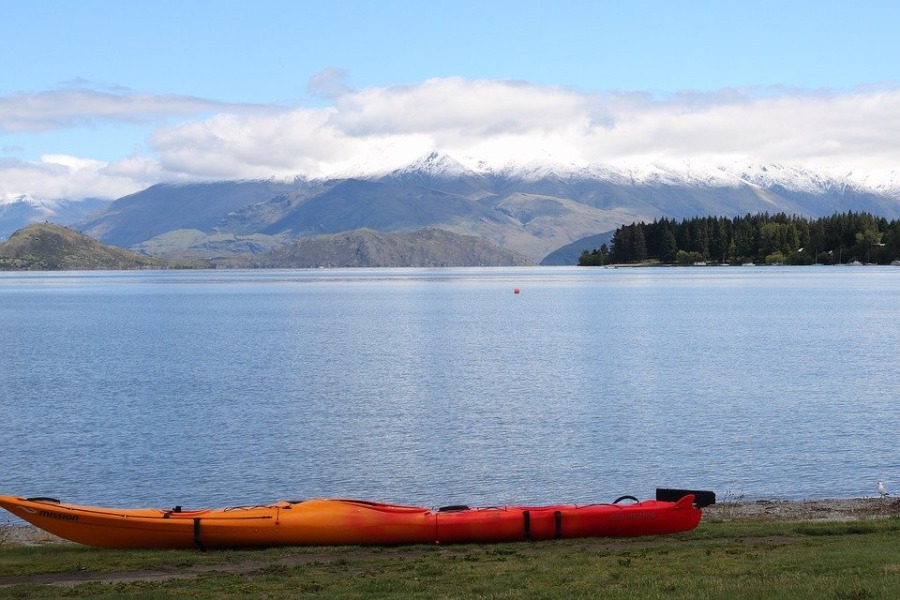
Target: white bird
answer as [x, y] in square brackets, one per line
[882, 490]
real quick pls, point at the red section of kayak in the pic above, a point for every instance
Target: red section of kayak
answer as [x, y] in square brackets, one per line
[342, 522]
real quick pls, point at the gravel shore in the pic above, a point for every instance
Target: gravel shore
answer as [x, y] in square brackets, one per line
[853, 509]
[26, 535]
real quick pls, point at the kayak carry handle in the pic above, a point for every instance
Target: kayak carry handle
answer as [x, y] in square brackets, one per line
[620, 498]
[702, 498]
[43, 499]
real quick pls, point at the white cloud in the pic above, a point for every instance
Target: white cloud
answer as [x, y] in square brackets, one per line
[382, 127]
[330, 83]
[457, 109]
[814, 130]
[493, 121]
[61, 109]
[60, 176]
[499, 122]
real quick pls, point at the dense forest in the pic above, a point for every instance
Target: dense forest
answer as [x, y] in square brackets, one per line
[760, 239]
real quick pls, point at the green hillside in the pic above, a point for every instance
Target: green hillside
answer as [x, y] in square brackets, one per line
[48, 247]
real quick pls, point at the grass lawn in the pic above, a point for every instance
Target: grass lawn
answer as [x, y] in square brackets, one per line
[744, 558]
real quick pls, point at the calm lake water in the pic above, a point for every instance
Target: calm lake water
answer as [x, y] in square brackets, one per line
[443, 386]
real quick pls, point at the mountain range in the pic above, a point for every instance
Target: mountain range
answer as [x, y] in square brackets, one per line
[22, 210]
[546, 212]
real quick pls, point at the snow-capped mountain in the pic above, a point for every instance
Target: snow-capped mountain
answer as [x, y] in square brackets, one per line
[39, 205]
[532, 208]
[699, 174]
[435, 164]
[690, 173]
[20, 211]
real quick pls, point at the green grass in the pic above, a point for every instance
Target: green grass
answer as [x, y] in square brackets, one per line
[734, 559]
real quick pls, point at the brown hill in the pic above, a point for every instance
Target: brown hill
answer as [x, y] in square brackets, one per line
[427, 247]
[47, 247]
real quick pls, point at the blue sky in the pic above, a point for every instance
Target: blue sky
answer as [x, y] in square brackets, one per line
[104, 97]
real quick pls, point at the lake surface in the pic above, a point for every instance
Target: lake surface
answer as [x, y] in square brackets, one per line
[443, 386]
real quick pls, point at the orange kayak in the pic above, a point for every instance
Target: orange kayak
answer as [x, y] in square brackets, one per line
[342, 522]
